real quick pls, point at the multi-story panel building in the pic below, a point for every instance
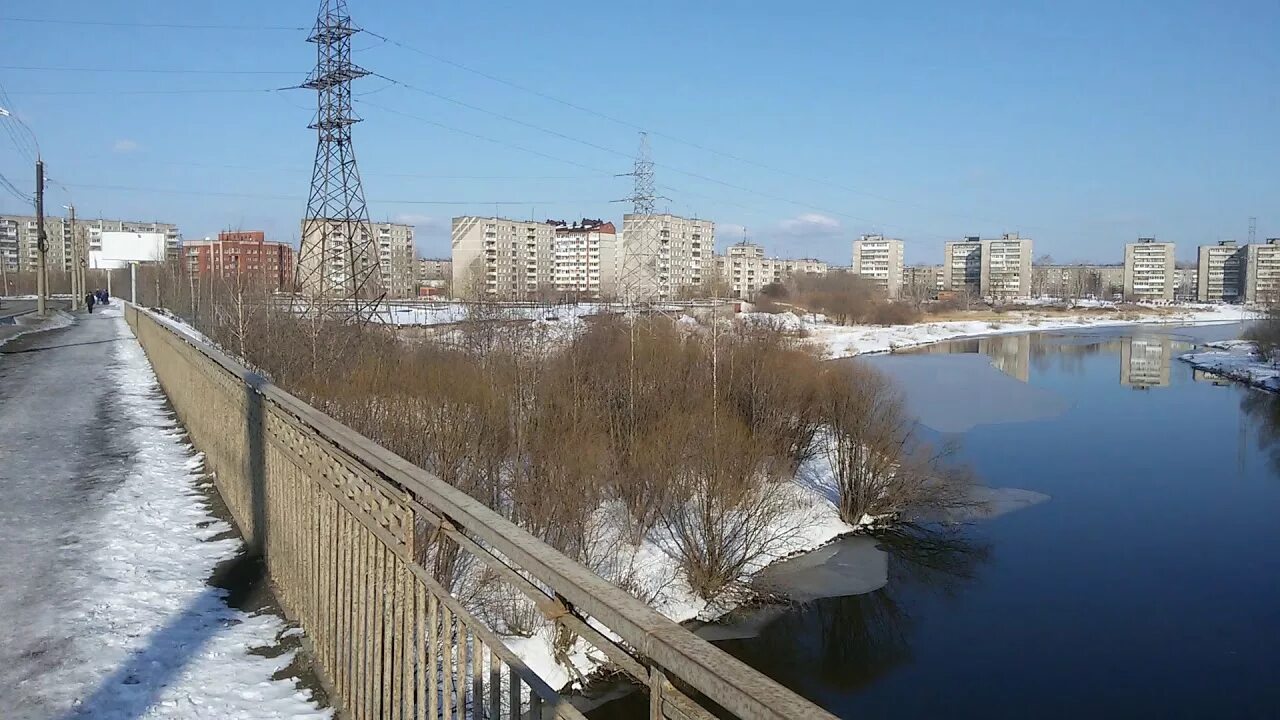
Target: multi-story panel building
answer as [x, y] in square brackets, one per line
[1077, 281]
[10, 252]
[586, 258]
[1262, 272]
[390, 245]
[502, 259]
[922, 281]
[434, 270]
[878, 260]
[747, 271]
[995, 268]
[18, 239]
[962, 266]
[397, 258]
[236, 255]
[1006, 267]
[684, 248]
[1221, 272]
[1148, 271]
[1186, 282]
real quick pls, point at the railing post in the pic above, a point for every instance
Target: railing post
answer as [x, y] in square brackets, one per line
[656, 681]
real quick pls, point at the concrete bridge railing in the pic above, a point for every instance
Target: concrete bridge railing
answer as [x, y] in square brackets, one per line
[337, 519]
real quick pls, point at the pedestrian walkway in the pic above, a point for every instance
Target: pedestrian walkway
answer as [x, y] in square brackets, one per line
[107, 544]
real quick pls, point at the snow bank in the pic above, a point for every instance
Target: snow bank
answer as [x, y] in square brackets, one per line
[31, 323]
[153, 640]
[445, 313]
[844, 341]
[1238, 360]
[809, 521]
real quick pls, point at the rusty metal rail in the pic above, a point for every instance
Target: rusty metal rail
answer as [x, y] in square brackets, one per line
[338, 519]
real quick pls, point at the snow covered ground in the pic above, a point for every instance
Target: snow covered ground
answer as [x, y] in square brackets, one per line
[1238, 360]
[809, 520]
[26, 324]
[839, 341]
[444, 313]
[131, 628]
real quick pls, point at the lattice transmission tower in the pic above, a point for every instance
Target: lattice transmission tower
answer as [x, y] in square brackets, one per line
[642, 275]
[338, 276]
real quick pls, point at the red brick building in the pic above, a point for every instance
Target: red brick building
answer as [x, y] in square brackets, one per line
[235, 254]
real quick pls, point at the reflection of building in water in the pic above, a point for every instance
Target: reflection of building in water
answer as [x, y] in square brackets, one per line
[1011, 354]
[1199, 375]
[1144, 362]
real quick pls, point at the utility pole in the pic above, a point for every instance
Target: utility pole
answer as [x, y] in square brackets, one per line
[42, 244]
[77, 292]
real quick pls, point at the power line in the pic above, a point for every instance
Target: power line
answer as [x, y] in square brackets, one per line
[26, 145]
[156, 26]
[179, 91]
[166, 71]
[596, 146]
[14, 191]
[625, 123]
[262, 196]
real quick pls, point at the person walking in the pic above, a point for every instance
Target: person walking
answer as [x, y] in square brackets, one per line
[90, 300]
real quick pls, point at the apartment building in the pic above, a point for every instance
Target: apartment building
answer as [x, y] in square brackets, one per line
[19, 250]
[1262, 272]
[922, 281]
[962, 266]
[683, 249]
[390, 245]
[586, 258]
[1148, 271]
[746, 269]
[1186, 282]
[434, 270]
[1006, 267]
[502, 259]
[1077, 281]
[236, 255]
[1221, 272]
[10, 252]
[397, 258]
[998, 268]
[878, 260]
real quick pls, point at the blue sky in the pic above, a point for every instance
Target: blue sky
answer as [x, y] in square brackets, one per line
[1082, 125]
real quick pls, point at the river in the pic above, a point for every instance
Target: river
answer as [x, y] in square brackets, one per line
[1127, 568]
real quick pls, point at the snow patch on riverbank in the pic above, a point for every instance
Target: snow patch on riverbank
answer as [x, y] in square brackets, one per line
[837, 341]
[1237, 360]
[809, 521]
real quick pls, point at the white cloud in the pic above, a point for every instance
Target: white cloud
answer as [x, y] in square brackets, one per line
[810, 224]
[413, 219]
[125, 145]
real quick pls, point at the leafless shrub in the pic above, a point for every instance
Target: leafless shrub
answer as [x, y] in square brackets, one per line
[1265, 332]
[879, 465]
[726, 511]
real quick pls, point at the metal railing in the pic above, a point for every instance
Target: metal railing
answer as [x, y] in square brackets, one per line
[339, 520]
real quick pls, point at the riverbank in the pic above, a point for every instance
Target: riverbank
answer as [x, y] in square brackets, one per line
[1237, 360]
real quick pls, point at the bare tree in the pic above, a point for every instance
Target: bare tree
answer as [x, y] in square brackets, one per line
[879, 465]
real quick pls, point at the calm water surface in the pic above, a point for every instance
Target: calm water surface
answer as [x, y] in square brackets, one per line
[1147, 584]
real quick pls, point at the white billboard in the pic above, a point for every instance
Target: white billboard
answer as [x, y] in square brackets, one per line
[118, 249]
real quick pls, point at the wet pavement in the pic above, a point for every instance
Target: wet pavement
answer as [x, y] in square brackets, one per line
[57, 455]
